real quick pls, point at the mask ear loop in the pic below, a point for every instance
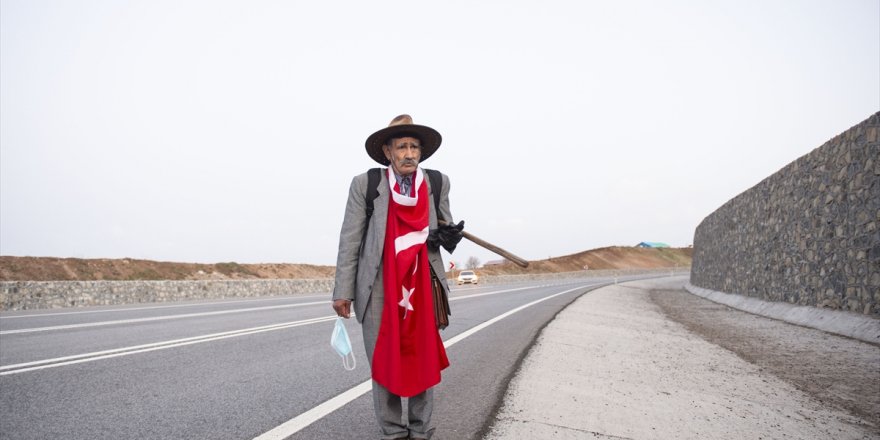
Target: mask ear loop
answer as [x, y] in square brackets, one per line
[353, 361]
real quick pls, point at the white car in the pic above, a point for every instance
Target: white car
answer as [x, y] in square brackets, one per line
[468, 277]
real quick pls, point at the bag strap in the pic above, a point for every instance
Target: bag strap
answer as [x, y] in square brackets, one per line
[436, 188]
[374, 177]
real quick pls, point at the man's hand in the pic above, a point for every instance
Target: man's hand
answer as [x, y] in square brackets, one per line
[446, 235]
[342, 308]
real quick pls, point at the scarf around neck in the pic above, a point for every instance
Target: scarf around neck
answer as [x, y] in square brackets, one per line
[409, 352]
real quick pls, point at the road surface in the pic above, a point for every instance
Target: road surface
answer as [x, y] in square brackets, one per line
[244, 369]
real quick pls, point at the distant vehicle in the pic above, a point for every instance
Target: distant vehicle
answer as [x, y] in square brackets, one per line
[468, 277]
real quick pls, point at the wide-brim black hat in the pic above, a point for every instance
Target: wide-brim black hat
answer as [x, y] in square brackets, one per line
[402, 126]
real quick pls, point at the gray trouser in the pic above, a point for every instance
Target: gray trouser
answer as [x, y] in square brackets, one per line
[388, 406]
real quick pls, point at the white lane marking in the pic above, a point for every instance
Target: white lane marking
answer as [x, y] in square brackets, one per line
[305, 419]
[299, 422]
[169, 306]
[221, 312]
[155, 318]
[280, 298]
[477, 295]
[107, 354]
[125, 351]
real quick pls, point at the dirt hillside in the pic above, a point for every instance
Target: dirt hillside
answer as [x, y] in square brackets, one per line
[58, 269]
[615, 257]
[64, 269]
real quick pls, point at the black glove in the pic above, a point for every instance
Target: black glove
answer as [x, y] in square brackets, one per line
[447, 235]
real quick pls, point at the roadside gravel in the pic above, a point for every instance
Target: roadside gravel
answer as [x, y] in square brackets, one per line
[648, 360]
[838, 371]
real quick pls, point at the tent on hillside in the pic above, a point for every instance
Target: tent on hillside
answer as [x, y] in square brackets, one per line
[652, 244]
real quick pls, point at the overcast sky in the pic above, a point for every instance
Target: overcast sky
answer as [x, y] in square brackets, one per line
[209, 131]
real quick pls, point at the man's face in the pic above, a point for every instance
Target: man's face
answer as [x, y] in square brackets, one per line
[404, 154]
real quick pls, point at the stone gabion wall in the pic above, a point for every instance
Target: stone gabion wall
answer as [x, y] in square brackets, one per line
[24, 295]
[807, 235]
[27, 295]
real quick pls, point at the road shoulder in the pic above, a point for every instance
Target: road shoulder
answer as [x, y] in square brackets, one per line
[613, 365]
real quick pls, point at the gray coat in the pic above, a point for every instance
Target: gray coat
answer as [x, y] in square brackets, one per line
[356, 272]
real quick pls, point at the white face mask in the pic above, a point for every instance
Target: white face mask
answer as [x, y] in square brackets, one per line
[342, 344]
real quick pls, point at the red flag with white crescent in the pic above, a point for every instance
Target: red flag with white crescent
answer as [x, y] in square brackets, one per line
[409, 353]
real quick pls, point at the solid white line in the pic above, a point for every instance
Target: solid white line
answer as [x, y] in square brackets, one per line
[155, 318]
[128, 309]
[299, 422]
[116, 352]
[305, 419]
[452, 341]
[477, 295]
[125, 351]
[221, 312]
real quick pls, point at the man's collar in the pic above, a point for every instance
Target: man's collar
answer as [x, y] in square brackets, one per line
[399, 177]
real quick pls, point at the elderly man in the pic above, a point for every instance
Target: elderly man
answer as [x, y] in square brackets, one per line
[387, 257]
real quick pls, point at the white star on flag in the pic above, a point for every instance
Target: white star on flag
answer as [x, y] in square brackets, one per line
[405, 301]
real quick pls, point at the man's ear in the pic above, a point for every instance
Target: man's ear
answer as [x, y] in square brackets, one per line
[387, 150]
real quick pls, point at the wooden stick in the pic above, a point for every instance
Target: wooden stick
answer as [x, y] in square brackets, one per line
[485, 244]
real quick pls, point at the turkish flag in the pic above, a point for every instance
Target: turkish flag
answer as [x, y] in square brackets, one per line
[409, 353]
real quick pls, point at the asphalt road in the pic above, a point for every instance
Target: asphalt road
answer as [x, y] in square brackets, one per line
[247, 368]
